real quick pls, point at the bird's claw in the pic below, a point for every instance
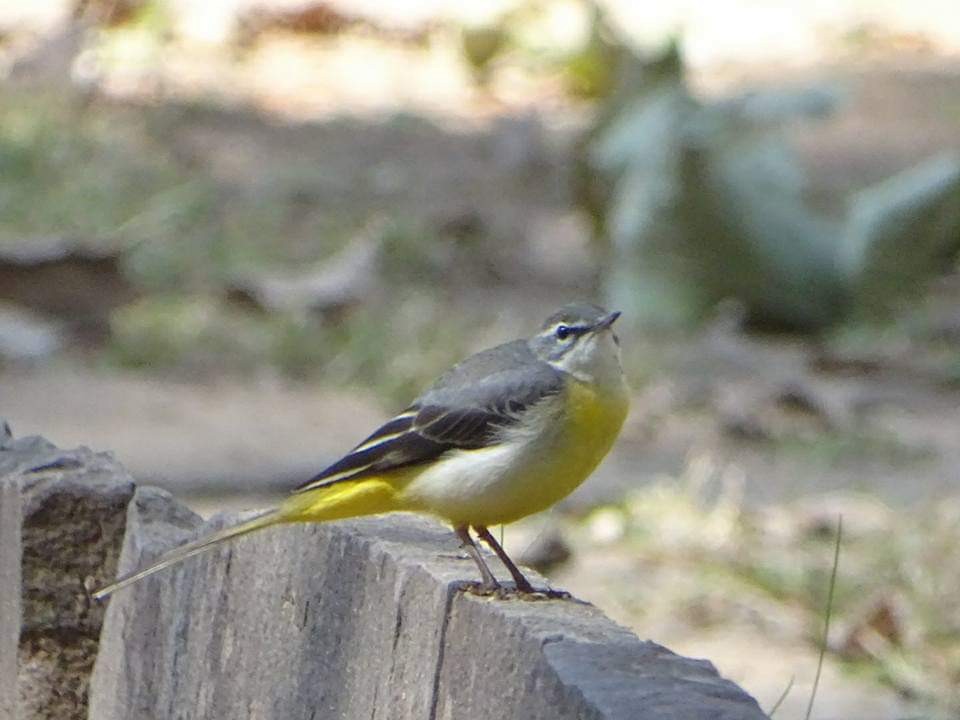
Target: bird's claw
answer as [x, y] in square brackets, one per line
[505, 592]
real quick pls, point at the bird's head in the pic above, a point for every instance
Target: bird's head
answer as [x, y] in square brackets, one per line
[579, 339]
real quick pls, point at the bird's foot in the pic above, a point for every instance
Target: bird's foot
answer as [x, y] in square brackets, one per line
[546, 594]
[480, 589]
[506, 592]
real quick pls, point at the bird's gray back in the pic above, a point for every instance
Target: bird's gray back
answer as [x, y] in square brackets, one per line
[509, 372]
[466, 408]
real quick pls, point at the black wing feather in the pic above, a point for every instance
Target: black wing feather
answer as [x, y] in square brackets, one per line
[469, 428]
[465, 409]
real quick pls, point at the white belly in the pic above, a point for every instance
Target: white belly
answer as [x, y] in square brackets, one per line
[490, 485]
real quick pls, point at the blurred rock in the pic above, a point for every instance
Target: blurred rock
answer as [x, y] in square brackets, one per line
[740, 423]
[62, 518]
[548, 551]
[67, 279]
[756, 411]
[462, 224]
[801, 398]
[345, 279]
[25, 335]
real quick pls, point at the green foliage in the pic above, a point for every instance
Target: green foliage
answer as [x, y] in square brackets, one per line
[68, 172]
[702, 202]
[590, 71]
[901, 232]
[398, 351]
[191, 334]
[99, 176]
[104, 175]
[196, 237]
[586, 64]
[829, 449]
[413, 253]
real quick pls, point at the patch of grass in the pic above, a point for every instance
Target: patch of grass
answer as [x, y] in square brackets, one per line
[103, 175]
[897, 599]
[413, 254]
[69, 171]
[194, 335]
[97, 175]
[396, 352]
[829, 449]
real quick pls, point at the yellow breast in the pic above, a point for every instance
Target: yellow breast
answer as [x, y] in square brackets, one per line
[593, 420]
[588, 426]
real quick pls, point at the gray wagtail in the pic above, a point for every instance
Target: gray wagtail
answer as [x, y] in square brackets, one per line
[504, 434]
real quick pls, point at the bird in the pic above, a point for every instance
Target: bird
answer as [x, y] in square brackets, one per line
[506, 433]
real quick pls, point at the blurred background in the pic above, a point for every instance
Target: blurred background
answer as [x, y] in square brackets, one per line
[234, 235]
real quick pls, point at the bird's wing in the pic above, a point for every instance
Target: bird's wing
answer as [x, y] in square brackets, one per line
[465, 409]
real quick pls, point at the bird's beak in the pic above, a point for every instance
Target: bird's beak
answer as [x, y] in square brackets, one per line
[606, 321]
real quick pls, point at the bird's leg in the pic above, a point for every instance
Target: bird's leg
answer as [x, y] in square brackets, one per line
[523, 585]
[489, 581]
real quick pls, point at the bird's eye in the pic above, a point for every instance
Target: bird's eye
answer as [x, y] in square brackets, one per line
[563, 332]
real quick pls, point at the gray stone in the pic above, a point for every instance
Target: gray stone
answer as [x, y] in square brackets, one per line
[62, 525]
[361, 618]
[26, 335]
[564, 659]
[137, 636]
[343, 280]
[75, 281]
[10, 554]
[364, 619]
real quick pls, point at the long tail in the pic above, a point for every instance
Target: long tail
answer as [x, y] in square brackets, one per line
[345, 499]
[268, 517]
